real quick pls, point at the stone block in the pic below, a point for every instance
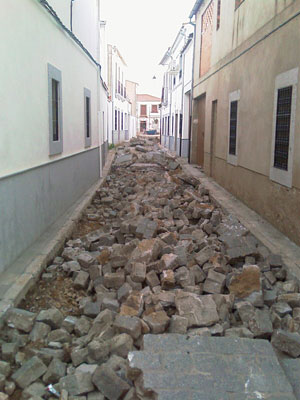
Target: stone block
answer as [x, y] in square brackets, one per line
[9, 350]
[178, 324]
[39, 332]
[55, 371]
[109, 383]
[82, 280]
[146, 229]
[130, 325]
[52, 317]
[20, 319]
[85, 260]
[287, 342]
[30, 371]
[114, 280]
[214, 283]
[167, 279]
[152, 279]
[77, 384]
[157, 321]
[121, 345]
[138, 272]
[200, 311]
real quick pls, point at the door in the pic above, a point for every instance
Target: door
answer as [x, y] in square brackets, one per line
[201, 130]
[214, 108]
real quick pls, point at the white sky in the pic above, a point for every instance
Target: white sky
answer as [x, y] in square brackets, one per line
[143, 30]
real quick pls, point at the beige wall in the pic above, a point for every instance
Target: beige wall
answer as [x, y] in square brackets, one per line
[253, 74]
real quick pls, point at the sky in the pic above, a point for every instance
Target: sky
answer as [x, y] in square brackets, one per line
[143, 31]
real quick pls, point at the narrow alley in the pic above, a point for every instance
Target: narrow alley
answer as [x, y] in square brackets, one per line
[154, 255]
[149, 200]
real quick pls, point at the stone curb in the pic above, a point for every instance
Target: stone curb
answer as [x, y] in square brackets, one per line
[51, 245]
[273, 239]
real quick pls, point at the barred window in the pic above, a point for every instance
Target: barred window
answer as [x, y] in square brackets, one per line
[282, 132]
[233, 127]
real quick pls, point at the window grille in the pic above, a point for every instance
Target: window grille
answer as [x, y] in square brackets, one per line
[233, 127]
[282, 133]
[87, 100]
[55, 108]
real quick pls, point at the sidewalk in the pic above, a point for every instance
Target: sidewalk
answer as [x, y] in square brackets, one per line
[274, 240]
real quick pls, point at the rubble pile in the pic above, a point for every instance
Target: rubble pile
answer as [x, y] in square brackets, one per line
[166, 259]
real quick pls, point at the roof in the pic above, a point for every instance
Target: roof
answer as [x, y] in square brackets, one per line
[195, 8]
[147, 97]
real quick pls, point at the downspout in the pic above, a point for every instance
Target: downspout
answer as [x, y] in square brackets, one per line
[192, 92]
[71, 16]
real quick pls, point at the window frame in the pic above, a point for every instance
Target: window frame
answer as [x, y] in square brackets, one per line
[87, 139]
[286, 79]
[55, 146]
[233, 96]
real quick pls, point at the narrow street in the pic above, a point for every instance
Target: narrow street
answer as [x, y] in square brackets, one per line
[154, 255]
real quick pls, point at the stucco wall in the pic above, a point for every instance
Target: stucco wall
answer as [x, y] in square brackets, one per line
[35, 41]
[253, 73]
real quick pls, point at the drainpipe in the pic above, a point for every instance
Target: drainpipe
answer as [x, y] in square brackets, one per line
[192, 92]
[71, 16]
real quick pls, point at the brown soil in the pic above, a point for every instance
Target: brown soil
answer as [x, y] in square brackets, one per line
[59, 293]
[84, 227]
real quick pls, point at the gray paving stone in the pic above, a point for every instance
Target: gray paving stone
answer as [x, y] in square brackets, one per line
[210, 368]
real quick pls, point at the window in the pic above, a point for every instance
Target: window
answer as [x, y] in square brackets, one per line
[144, 110]
[234, 98]
[116, 120]
[238, 3]
[282, 131]
[218, 14]
[122, 121]
[284, 127]
[87, 117]
[233, 126]
[55, 110]
[154, 108]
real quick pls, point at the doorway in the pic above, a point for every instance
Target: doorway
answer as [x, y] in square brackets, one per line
[214, 109]
[201, 130]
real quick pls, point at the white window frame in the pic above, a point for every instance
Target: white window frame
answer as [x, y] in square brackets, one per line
[55, 147]
[234, 96]
[289, 78]
[87, 140]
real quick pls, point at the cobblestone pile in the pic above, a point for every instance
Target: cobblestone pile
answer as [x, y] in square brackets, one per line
[165, 260]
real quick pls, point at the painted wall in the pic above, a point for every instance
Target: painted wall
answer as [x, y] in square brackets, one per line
[254, 74]
[24, 123]
[35, 188]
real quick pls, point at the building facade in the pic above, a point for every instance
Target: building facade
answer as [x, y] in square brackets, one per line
[246, 104]
[131, 90]
[53, 112]
[121, 107]
[176, 92]
[148, 113]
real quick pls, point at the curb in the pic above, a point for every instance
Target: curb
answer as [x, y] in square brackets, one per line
[47, 247]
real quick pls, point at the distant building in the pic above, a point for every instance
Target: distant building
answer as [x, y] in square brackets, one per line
[176, 92]
[121, 107]
[148, 112]
[131, 89]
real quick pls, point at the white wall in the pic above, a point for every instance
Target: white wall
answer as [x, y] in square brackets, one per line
[24, 126]
[86, 24]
